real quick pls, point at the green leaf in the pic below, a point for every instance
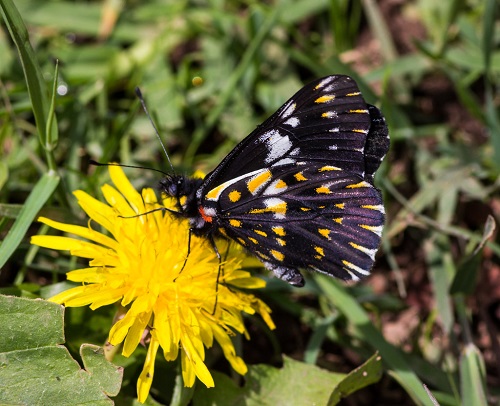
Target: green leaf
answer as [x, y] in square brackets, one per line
[363, 328]
[37, 198]
[364, 375]
[472, 376]
[37, 369]
[296, 383]
[32, 72]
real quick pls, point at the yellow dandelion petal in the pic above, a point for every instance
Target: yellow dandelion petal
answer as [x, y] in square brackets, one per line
[88, 275]
[125, 187]
[248, 283]
[146, 378]
[120, 204]
[120, 329]
[193, 365]
[101, 213]
[139, 260]
[78, 248]
[84, 232]
[135, 333]
[67, 295]
[229, 351]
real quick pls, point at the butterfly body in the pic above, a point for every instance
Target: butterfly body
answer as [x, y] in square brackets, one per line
[298, 191]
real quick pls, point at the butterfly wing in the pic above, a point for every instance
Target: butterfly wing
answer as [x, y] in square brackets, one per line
[297, 192]
[326, 121]
[309, 217]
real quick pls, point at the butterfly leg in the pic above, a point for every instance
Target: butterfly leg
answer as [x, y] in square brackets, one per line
[219, 257]
[187, 255]
[290, 275]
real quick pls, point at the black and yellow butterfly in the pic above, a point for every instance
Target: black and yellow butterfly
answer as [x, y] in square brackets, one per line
[298, 191]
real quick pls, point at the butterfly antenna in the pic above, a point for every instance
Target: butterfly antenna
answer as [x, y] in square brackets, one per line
[141, 98]
[95, 163]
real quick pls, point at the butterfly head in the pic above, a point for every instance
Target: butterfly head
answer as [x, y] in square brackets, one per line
[183, 190]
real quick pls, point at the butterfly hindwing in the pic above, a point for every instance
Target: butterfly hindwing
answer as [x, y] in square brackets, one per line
[311, 216]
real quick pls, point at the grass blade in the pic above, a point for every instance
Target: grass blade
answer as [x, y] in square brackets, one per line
[37, 198]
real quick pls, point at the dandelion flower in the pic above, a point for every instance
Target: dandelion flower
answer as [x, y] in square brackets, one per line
[138, 263]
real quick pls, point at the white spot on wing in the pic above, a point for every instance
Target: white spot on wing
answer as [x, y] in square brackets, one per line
[330, 114]
[285, 161]
[324, 82]
[292, 121]
[272, 202]
[370, 252]
[273, 190]
[333, 147]
[356, 268]
[289, 109]
[277, 145]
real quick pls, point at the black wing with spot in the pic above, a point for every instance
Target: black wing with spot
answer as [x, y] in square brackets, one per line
[320, 219]
[298, 191]
[326, 121]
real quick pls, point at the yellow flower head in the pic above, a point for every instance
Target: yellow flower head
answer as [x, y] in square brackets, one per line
[138, 262]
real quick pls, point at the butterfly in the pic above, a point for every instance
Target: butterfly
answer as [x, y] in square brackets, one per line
[298, 191]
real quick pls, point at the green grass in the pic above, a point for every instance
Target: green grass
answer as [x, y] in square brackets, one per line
[438, 91]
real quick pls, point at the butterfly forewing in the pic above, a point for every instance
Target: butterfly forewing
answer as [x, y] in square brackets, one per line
[327, 121]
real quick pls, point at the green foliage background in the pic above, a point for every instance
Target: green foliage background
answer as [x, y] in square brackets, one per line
[430, 310]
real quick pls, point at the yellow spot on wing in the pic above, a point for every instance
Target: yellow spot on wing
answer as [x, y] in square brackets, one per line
[358, 111]
[325, 232]
[340, 205]
[338, 220]
[242, 241]
[279, 231]
[353, 94]
[234, 196]
[279, 208]
[222, 231]
[358, 185]
[253, 240]
[258, 181]
[260, 232]
[280, 184]
[328, 114]
[328, 168]
[235, 223]
[377, 207]
[324, 99]
[214, 193]
[281, 241]
[319, 250]
[356, 130]
[374, 229]
[278, 255]
[305, 208]
[355, 268]
[260, 254]
[323, 190]
[299, 176]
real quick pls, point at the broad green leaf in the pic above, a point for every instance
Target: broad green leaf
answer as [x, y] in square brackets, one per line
[37, 369]
[295, 383]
